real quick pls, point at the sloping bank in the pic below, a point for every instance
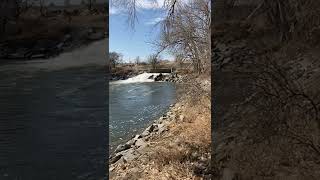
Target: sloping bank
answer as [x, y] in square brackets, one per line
[177, 145]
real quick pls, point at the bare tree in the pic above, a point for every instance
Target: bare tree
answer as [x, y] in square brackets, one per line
[42, 7]
[131, 6]
[114, 59]
[8, 11]
[179, 60]
[153, 60]
[137, 60]
[186, 28]
[188, 31]
[89, 4]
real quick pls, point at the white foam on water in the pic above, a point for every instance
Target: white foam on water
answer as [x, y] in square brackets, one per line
[141, 78]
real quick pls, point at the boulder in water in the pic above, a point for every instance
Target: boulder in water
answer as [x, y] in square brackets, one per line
[160, 77]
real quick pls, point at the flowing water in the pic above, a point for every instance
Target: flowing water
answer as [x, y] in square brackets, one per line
[53, 117]
[134, 104]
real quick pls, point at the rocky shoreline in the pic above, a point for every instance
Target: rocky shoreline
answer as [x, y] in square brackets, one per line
[133, 148]
[45, 48]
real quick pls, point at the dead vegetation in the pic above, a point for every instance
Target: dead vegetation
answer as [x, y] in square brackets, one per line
[273, 132]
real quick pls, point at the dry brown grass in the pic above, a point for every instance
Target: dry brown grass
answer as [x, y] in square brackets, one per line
[122, 70]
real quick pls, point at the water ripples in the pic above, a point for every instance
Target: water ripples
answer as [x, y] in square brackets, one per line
[133, 106]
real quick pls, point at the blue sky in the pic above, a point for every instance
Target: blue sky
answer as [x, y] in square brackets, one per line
[135, 42]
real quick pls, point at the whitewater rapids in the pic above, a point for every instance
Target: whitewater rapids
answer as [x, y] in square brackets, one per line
[141, 78]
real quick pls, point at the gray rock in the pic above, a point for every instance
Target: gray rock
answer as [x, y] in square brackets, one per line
[140, 143]
[131, 142]
[115, 158]
[152, 128]
[111, 168]
[137, 137]
[122, 147]
[162, 128]
[128, 155]
[145, 133]
[181, 118]
[160, 120]
[147, 138]
[156, 128]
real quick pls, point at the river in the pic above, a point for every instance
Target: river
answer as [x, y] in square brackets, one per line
[53, 117]
[134, 106]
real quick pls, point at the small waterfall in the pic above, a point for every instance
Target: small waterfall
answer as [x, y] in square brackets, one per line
[144, 77]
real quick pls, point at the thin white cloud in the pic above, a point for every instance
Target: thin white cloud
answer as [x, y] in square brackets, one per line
[145, 4]
[141, 4]
[113, 10]
[154, 21]
[150, 4]
[156, 4]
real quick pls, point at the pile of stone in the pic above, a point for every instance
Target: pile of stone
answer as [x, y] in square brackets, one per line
[41, 48]
[172, 77]
[136, 146]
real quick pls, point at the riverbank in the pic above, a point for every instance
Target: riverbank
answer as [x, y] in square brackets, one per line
[177, 144]
[59, 29]
[76, 58]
